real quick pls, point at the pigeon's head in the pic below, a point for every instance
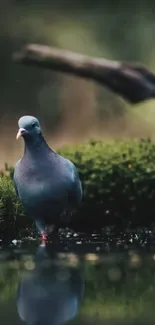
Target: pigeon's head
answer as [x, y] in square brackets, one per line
[29, 127]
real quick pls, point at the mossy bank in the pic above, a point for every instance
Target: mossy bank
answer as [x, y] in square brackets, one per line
[118, 179]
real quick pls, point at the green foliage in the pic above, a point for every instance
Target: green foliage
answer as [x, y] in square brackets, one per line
[118, 179]
[11, 211]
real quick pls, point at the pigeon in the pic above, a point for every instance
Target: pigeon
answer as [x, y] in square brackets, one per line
[47, 184]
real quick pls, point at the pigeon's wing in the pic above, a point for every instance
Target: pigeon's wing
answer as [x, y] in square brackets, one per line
[14, 177]
[75, 188]
[15, 186]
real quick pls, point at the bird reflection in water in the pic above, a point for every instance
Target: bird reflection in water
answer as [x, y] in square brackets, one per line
[50, 294]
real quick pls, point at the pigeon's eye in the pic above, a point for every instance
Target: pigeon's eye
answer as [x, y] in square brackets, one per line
[33, 125]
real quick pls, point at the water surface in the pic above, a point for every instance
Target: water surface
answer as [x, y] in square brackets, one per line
[52, 286]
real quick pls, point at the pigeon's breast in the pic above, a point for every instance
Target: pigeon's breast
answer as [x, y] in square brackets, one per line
[41, 190]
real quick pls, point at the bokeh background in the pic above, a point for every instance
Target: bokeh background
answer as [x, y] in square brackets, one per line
[72, 109]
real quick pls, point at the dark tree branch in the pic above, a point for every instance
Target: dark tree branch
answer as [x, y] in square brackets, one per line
[131, 81]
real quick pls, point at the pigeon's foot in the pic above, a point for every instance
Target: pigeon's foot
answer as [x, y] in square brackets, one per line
[44, 238]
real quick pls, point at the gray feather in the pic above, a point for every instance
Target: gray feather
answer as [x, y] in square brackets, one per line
[47, 184]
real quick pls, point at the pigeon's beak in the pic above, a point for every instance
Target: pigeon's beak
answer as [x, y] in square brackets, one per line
[20, 133]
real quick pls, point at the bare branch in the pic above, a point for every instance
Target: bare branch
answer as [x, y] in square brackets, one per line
[131, 81]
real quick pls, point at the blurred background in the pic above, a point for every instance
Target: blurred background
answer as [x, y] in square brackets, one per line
[72, 109]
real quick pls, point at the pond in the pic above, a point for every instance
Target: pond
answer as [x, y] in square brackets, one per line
[49, 285]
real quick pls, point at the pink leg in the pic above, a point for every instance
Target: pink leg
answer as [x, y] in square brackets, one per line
[44, 238]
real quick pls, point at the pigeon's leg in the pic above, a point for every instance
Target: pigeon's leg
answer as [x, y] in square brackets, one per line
[44, 238]
[41, 227]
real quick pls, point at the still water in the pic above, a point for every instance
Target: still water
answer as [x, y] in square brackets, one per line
[46, 286]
